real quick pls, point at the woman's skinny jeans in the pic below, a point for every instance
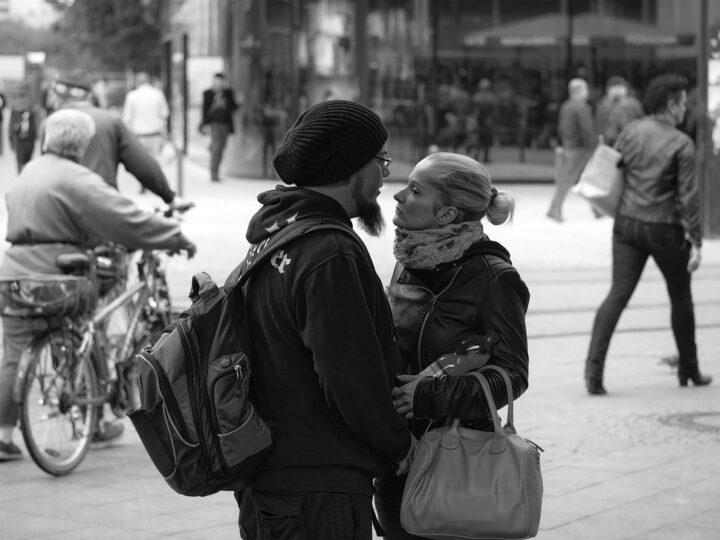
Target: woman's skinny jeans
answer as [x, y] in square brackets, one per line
[633, 242]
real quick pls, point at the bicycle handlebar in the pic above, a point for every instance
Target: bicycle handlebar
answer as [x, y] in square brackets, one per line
[179, 207]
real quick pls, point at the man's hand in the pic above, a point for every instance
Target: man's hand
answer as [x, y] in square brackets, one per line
[183, 244]
[180, 205]
[695, 257]
[403, 395]
[203, 129]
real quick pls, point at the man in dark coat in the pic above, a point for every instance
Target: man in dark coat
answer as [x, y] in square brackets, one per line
[323, 328]
[217, 114]
[113, 143]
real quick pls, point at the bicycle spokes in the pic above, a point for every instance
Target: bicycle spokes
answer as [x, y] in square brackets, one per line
[59, 407]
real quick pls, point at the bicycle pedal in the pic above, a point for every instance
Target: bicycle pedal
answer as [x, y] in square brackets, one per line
[52, 452]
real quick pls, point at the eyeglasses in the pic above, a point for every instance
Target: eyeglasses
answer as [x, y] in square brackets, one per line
[385, 162]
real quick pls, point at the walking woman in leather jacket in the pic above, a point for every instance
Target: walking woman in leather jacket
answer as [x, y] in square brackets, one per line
[658, 217]
[451, 282]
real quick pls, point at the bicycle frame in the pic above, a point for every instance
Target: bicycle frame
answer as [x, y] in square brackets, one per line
[148, 266]
[87, 330]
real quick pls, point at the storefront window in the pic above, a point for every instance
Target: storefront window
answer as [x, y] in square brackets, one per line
[482, 77]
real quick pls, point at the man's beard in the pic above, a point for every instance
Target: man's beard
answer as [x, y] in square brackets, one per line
[370, 216]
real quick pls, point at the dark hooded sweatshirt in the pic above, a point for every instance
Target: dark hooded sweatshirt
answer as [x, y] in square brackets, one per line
[325, 352]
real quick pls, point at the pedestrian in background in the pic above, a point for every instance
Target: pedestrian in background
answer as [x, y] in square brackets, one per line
[615, 110]
[23, 126]
[450, 282]
[485, 115]
[658, 217]
[3, 102]
[145, 113]
[217, 115]
[113, 143]
[323, 328]
[577, 134]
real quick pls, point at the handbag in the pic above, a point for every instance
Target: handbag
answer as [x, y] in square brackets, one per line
[601, 181]
[470, 484]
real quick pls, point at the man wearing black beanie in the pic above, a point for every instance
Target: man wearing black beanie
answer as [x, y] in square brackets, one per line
[322, 326]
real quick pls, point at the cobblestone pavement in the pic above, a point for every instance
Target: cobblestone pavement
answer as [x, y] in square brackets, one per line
[640, 463]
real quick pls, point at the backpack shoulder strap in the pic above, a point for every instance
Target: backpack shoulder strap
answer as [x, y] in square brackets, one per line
[262, 251]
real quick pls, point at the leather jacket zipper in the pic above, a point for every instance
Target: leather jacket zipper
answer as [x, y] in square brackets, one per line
[427, 315]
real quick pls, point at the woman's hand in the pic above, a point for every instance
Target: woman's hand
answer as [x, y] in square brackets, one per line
[695, 258]
[403, 395]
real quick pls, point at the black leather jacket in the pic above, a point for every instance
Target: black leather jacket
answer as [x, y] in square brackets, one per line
[434, 309]
[660, 184]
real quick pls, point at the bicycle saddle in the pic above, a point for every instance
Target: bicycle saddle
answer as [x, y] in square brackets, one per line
[73, 262]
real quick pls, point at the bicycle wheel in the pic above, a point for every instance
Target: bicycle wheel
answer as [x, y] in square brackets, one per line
[60, 399]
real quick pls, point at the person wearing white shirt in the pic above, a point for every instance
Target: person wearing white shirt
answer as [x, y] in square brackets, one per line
[145, 113]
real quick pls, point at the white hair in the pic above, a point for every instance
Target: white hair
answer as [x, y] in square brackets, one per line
[68, 133]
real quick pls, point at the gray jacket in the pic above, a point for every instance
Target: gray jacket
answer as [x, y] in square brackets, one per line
[58, 206]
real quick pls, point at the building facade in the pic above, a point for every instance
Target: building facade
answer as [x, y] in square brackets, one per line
[485, 77]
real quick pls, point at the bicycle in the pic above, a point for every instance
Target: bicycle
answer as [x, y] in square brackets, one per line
[69, 372]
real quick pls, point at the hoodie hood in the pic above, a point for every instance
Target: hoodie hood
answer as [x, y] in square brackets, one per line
[284, 205]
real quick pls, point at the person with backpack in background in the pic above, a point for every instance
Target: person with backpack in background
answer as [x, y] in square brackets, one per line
[23, 127]
[321, 324]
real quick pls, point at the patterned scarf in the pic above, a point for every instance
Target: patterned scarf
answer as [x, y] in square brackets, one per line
[427, 248]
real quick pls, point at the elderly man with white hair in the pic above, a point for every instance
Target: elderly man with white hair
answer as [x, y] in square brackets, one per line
[575, 126]
[59, 206]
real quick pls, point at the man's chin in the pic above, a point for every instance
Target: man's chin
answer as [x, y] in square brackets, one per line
[370, 219]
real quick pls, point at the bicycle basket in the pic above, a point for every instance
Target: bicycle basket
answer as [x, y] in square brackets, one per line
[47, 296]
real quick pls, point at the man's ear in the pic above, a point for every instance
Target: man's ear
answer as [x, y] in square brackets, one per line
[447, 215]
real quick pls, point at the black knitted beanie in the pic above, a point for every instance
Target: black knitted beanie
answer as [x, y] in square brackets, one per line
[328, 143]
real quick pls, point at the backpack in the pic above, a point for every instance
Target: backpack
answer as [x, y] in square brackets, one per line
[196, 420]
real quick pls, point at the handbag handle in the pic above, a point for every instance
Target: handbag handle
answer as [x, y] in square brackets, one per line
[508, 389]
[499, 440]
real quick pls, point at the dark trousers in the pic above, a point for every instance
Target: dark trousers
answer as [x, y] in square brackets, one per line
[633, 242]
[23, 153]
[219, 133]
[304, 516]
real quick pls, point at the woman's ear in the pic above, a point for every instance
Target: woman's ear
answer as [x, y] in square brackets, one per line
[447, 215]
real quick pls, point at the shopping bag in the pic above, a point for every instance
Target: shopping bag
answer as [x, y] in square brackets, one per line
[601, 182]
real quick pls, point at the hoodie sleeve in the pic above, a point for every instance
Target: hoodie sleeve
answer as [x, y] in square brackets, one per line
[351, 336]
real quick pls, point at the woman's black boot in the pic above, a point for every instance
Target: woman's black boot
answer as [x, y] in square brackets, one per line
[693, 374]
[595, 387]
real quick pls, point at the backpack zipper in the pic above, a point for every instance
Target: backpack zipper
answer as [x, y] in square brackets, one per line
[194, 389]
